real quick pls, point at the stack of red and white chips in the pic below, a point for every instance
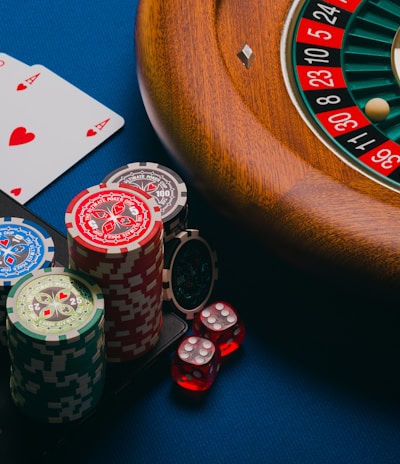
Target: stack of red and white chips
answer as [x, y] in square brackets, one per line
[115, 235]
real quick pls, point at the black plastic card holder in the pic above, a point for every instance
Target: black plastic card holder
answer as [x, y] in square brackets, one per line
[14, 427]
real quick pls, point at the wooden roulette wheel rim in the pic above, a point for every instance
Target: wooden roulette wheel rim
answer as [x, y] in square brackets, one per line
[244, 145]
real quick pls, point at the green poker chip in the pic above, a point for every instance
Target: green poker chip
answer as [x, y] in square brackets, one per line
[32, 348]
[56, 343]
[55, 305]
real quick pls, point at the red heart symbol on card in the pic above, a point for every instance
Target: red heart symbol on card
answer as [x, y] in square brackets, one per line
[20, 135]
[4, 242]
[21, 86]
[62, 295]
[151, 187]
[91, 133]
[16, 191]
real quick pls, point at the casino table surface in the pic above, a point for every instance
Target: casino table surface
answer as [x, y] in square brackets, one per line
[317, 378]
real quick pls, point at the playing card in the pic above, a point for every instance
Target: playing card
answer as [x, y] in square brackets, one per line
[46, 126]
[10, 69]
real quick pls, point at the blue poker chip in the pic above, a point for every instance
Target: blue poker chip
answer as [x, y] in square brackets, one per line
[24, 247]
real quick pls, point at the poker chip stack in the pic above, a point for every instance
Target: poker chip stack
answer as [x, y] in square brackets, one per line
[190, 263]
[56, 342]
[24, 247]
[115, 235]
[163, 184]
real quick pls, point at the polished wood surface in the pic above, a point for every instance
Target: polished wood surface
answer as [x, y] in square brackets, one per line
[238, 137]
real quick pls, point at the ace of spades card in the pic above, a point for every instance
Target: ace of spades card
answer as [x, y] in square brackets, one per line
[46, 126]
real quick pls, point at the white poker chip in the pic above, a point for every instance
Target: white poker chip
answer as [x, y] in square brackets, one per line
[164, 184]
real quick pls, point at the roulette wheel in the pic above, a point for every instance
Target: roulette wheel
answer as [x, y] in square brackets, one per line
[285, 115]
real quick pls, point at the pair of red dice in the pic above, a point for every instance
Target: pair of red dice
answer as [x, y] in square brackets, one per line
[217, 332]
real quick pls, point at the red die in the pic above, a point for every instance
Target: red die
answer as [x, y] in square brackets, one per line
[220, 323]
[196, 363]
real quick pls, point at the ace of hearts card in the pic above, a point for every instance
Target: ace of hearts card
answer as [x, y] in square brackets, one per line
[46, 126]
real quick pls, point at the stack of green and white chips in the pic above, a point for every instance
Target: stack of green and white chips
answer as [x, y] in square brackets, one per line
[56, 342]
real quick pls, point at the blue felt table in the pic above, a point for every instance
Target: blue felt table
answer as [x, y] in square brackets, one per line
[316, 380]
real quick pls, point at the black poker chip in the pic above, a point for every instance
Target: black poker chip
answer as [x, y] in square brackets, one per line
[190, 272]
[162, 183]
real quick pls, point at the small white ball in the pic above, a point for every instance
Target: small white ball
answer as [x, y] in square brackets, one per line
[377, 109]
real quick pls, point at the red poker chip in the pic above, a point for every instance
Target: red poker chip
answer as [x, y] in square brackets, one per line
[128, 288]
[114, 297]
[115, 235]
[124, 314]
[139, 274]
[130, 316]
[147, 317]
[126, 354]
[120, 279]
[113, 219]
[132, 301]
[124, 339]
[120, 264]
